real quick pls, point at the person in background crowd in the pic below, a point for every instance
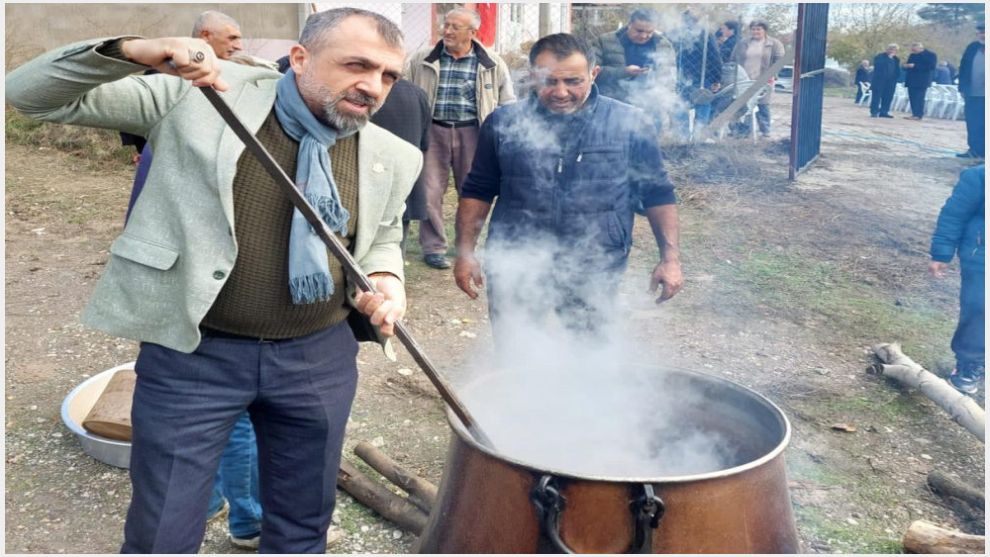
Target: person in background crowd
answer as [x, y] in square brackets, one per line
[920, 68]
[407, 114]
[961, 231]
[697, 54]
[756, 54]
[253, 316]
[727, 36]
[886, 66]
[464, 82]
[862, 76]
[972, 86]
[609, 157]
[943, 75]
[630, 59]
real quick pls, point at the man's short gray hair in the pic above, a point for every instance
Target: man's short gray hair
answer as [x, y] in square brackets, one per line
[210, 20]
[892, 46]
[475, 16]
[320, 25]
[917, 45]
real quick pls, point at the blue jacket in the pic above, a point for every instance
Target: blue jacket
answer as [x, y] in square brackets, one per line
[573, 178]
[960, 223]
[966, 68]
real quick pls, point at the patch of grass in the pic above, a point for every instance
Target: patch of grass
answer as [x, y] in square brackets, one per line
[890, 409]
[842, 536]
[841, 92]
[96, 147]
[819, 293]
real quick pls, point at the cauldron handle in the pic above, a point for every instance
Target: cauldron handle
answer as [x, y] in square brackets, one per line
[647, 509]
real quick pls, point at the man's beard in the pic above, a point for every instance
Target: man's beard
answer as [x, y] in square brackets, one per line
[327, 100]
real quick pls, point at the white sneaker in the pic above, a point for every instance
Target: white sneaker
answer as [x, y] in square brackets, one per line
[245, 543]
[334, 535]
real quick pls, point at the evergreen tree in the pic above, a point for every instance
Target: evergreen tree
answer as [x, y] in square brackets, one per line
[952, 14]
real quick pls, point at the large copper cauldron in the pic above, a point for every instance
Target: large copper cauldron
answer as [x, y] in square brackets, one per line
[489, 503]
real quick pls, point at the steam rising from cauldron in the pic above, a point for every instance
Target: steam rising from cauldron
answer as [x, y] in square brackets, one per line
[575, 401]
[559, 395]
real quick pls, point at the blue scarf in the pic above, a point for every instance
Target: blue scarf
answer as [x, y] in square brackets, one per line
[309, 268]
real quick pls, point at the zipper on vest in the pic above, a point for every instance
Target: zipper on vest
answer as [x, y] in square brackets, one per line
[579, 157]
[560, 165]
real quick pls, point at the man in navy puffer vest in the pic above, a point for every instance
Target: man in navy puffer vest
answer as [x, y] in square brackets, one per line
[567, 167]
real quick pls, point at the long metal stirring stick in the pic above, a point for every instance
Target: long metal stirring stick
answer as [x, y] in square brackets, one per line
[347, 261]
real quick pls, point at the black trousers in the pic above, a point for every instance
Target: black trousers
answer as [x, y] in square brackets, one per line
[976, 126]
[917, 97]
[883, 95]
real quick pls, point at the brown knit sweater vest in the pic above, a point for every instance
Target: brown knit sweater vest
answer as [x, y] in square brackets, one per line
[255, 300]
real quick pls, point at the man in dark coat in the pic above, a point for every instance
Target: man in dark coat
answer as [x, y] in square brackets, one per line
[961, 230]
[726, 37]
[630, 59]
[862, 76]
[406, 113]
[697, 54]
[920, 68]
[886, 67]
[972, 79]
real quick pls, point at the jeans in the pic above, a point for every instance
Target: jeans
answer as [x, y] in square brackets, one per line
[883, 95]
[702, 115]
[762, 121]
[237, 481]
[298, 392]
[968, 341]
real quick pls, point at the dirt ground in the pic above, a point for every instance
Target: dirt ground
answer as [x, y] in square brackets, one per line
[788, 284]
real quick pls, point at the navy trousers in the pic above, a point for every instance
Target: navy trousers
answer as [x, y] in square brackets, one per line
[916, 96]
[883, 95]
[968, 341]
[976, 110]
[298, 393]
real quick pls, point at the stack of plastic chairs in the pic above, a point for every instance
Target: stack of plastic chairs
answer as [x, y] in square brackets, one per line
[901, 101]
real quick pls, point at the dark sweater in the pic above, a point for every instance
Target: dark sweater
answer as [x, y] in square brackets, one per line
[255, 300]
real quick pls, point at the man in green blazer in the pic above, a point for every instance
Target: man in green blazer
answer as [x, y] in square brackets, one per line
[236, 302]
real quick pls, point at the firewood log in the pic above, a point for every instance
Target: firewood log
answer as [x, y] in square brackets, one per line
[942, 484]
[925, 537]
[422, 493]
[111, 413]
[379, 499]
[963, 409]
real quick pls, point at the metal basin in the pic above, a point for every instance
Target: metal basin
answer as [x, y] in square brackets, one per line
[77, 405]
[493, 502]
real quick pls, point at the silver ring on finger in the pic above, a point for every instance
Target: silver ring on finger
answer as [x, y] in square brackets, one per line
[197, 56]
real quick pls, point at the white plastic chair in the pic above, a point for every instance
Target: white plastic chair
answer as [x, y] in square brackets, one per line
[901, 101]
[867, 94]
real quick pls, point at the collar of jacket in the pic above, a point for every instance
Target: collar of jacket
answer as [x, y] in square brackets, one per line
[479, 50]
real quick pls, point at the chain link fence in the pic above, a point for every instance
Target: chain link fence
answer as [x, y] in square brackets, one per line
[693, 75]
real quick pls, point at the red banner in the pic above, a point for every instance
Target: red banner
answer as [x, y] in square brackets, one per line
[489, 22]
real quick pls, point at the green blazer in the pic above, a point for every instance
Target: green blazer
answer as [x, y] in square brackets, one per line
[178, 247]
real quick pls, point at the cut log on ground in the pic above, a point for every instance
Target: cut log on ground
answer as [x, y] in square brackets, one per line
[111, 413]
[422, 493]
[963, 409]
[379, 499]
[944, 485]
[925, 537]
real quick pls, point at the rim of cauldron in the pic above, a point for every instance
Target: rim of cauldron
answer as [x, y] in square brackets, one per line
[462, 433]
